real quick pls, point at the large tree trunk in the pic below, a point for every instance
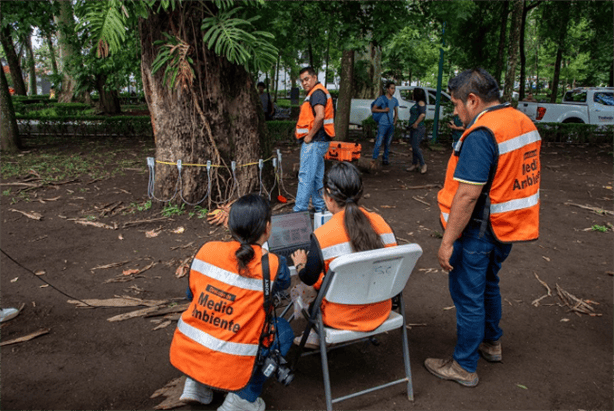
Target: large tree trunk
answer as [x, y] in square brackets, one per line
[31, 66]
[510, 76]
[371, 89]
[109, 100]
[502, 37]
[13, 61]
[215, 118]
[54, 64]
[66, 33]
[342, 119]
[9, 133]
[523, 58]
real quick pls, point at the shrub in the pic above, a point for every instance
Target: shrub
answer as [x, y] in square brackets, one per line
[62, 126]
[282, 130]
[575, 133]
[67, 109]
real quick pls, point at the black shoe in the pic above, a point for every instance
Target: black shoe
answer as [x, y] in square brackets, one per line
[385, 163]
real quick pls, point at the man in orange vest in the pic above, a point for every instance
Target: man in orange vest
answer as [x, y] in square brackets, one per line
[490, 199]
[315, 129]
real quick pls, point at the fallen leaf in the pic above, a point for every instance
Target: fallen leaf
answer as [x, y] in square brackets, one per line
[121, 237]
[449, 308]
[178, 230]
[546, 258]
[14, 280]
[130, 271]
[152, 234]
[387, 206]
[521, 386]
[44, 286]
[26, 337]
[52, 199]
[162, 325]
[564, 320]
[33, 215]
[171, 392]
[40, 272]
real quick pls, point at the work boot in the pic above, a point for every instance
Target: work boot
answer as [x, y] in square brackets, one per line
[412, 168]
[235, 403]
[195, 392]
[423, 169]
[491, 351]
[451, 370]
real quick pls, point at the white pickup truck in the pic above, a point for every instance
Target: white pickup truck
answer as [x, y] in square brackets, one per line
[591, 105]
[361, 108]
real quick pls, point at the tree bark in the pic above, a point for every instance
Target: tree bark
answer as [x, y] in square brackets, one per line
[31, 66]
[510, 76]
[13, 61]
[342, 120]
[502, 37]
[66, 24]
[523, 58]
[372, 88]
[9, 133]
[54, 64]
[559, 53]
[109, 100]
[216, 118]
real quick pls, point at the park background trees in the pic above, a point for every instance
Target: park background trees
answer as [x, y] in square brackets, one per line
[198, 61]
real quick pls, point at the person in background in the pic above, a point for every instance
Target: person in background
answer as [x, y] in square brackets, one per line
[489, 200]
[315, 129]
[221, 338]
[457, 129]
[267, 103]
[530, 97]
[388, 105]
[351, 229]
[417, 130]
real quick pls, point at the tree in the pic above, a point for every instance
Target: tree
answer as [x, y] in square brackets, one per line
[510, 76]
[30, 63]
[523, 59]
[196, 62]
[12, 59]
[502, 37]
[69, 50]
[342, 119]
[9, 133]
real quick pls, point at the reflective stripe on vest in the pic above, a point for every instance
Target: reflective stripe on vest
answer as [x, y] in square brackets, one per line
[215, 344]
[519, 142]
[337, 250]
[226, 277]
[514, 205]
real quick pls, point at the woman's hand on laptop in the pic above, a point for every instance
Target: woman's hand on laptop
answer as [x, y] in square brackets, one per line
[300, 258]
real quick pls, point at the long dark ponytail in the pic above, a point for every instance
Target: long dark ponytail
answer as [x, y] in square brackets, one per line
[247, 221]
[343, 184]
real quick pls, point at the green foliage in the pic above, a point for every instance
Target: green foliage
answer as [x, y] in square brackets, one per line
[600, 228]
[106, 23]
[173, 210]
[71, 125]
[173, 55]
[199, 212]
[70, 109]
[575, 133]
[281, 130]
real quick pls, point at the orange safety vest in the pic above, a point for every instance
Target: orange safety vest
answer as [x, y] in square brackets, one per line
[334, 242]
[514, 194]
[217, 338]
[306, 116]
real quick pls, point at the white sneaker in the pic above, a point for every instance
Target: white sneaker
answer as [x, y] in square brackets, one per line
[193, 391]
[235, 403]
[8, 314]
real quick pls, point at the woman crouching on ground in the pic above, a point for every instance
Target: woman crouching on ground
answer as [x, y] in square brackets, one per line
[218, 341]
[351, 229]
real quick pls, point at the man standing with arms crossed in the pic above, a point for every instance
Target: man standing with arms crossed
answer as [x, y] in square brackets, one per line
[315, 128]
[490, 199]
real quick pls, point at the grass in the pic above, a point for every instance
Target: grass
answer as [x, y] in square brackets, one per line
[173, 210]
[199, 212]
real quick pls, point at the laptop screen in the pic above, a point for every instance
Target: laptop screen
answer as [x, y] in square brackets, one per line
[288, 230]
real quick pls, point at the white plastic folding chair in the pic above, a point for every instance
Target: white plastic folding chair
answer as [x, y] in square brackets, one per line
[364, 278]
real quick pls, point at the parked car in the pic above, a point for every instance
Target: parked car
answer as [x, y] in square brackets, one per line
[590, 105]
[361, 108]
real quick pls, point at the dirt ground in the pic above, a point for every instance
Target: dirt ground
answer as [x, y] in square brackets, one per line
[553, 358]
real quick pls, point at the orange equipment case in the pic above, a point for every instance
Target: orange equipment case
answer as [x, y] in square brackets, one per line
[342, 151]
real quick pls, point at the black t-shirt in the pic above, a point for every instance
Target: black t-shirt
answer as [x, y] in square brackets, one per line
[319, 97]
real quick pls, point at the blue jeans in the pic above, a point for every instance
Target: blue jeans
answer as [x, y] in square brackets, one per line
[474, 287]
[416, 136]
[384, 134]
[311, 176]
[283, 342]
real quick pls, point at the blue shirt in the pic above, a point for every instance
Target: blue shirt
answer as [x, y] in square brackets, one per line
[478, 154]
[382, 102]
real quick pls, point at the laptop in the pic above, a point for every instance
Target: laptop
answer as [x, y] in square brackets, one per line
[290, 232]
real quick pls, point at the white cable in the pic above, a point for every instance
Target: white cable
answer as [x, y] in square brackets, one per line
[179, 168]
[152, 182]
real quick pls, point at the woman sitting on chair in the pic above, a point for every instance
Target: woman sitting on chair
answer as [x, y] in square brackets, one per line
[224, 332]
[351, 229]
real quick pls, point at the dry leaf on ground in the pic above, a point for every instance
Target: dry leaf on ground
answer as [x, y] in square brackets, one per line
[171, 391]
[123, 301]
[152, 233]
[178, 230]
[33, 215]
[26, 337]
